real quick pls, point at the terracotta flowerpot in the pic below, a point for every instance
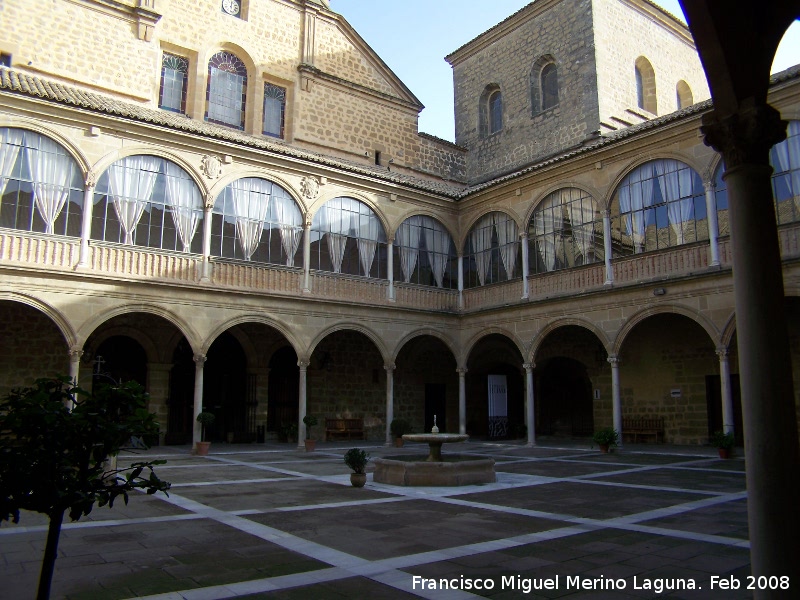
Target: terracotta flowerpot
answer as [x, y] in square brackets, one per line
[724, 452]
[398, 442]
[202, 448]
[603, 448]
[358, 479]
[310, 445]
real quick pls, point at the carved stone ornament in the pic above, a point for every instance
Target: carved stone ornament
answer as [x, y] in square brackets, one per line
[211, 166]
[309, 186]
[91, 179]
[745, 137]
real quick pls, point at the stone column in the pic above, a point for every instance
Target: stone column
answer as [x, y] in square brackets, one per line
[713, 225]
[607, 246]
[462, 400]
[725, 390]
[207, 218]
[390, 269]
[389, 400]
[616, 395]
[307, 257]
[530, 421]
[765, 369]
[523, 239]
[86, 217]
[199, 361]
[75, 354]
[460, 281]
[301, 408]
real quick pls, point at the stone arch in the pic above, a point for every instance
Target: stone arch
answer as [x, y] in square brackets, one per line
[347, 326]
[476, 217]
[596, 195]
[540, 337]
[250, 318]
[690, 161]
[536, 83]
[355, 195]
[102, 165]
[239, 51]
[646, 97]
[220, 184]
[467, 348]
[632, 322]
[684, 94]
[728, 331]
[421, 332]
[485, 112]
[407, 214]
[81, 160]
[71, 337]
[150, 348]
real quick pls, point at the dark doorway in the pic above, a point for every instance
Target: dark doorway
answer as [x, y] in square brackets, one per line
[564, 399]
[181, 396]
[435, 405]
[225, 391]
[714, 405]
[284, 382]
[119, 359]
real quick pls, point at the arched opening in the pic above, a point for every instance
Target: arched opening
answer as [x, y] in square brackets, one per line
[225, 390]
[645, 85]
[492, 251]
[494, 387]
[181, 395]
[283, 394]
[119, 358]
[683, 95]
[227, 90]
[426, 384]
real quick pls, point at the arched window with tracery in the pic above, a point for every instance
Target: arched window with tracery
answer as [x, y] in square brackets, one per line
[257, 220]
[658, 205]
[227, 90]
[41, 188]
[148, 201]
[566, 231]
[425, 253]
[348, 237]
[492, 251]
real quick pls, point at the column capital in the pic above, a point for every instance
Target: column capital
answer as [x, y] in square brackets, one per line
[613, 360]
[91, 179]
[389, 239]
[529, 366]
[390, 367]
[722, 352]
[75, 353]
[462, 371]
[199, 359]
[744, 138]
[307, 222]
[303, 364]
[523, 235]
[606, 212]
[709, 185]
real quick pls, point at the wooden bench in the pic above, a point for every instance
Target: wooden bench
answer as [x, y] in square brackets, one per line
[634, 427]
[349, 428]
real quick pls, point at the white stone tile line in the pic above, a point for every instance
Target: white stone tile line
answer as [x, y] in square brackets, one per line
[102, 523]
[405, 584]
[637, 486]
[686, 535]
[669, 511]
[228, 482]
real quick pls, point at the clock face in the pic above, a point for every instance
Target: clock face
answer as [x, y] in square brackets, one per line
[230, 6]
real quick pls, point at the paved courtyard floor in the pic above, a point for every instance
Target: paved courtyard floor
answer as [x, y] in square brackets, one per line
[269, 521]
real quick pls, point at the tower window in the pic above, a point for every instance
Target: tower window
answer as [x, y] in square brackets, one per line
[174, 72]
[274, 110]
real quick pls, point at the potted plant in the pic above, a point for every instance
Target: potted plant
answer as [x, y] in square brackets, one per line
[310, 421]
[205, 419]
[357, 460]
[724, 443]
[606, 438]
[399, 428]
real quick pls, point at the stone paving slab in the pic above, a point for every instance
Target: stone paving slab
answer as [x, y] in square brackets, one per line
[727, 519]
[177, 475]
[343, 589]
[714, 481]
[552, 468]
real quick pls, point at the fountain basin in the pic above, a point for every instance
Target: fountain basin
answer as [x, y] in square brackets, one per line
[455, 470]
[435, 441]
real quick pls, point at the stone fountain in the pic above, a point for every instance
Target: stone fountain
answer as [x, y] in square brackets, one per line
[434, 470]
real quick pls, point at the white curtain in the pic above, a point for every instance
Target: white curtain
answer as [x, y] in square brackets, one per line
[507, 240]
[250, 204]
[337, 223]
[51, 173]
[548, 222]
[673, 177]
[130, 182]
[634, 196]
[581, 217]
[368, 231]
[289, 218]
[183, 198]
[437, 242]
[408, 242]
[10, 143]
[481, 237]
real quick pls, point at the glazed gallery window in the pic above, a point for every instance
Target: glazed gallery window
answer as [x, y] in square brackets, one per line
[658, 205]
[174, 72]
[227, 89]
[148, 201]
[256, 220]
[566, 231]
[41, 188]
[492, 251]
[347, 237]
[425, 254]
[274, 110]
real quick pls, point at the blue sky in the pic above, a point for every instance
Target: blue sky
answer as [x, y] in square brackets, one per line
[414, 36]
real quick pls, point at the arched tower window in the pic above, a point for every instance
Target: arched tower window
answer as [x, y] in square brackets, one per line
[41, 188]
[425, 253]
[549, 86]
[227, 90]
[347, 237]
[658, 205]
[645, 85]
[492, 250]
[566, 231]
[490, 110]
[495, 112]
[684, 94]
[256, 219]
[148, 201]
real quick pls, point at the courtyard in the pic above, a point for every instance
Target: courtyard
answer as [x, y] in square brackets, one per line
[269, 521]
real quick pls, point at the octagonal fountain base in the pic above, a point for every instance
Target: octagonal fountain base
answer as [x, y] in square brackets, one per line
[454, 470]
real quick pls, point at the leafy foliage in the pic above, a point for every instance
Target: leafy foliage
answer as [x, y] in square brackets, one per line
[608, 436]
[356, 459]
[55, 444]
[723, 440]
[310, 421]
[205, 419]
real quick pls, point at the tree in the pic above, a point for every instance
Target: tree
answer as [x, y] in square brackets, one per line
[55, 444]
